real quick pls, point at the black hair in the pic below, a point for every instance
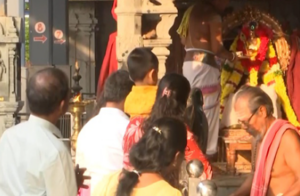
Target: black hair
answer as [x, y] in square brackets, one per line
[46, 89]
[116, 88]
[171, 99]
[140, 61]
[154, 152]
[256, 98]
[196, 118]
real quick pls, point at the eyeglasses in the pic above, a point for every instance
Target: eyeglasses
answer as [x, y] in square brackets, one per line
[247, 122]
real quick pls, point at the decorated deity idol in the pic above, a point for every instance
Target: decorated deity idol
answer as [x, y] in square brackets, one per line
[261, 66]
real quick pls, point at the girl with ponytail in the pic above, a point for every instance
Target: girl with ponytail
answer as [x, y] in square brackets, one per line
[160, 150]
[171, 101]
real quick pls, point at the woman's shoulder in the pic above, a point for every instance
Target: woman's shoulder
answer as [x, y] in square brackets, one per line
[108, 185]
[160, 188]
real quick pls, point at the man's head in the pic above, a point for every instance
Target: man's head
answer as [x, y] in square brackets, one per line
[254, 109]
[220, 5]
[143, 66]
[48, 93]
[116, 88]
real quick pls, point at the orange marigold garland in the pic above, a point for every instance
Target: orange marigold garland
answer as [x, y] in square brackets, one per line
[275, 76]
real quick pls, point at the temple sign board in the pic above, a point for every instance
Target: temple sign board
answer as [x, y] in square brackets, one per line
[48, 32]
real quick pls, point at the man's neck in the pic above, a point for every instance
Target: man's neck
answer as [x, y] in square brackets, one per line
[119, 106]
[50, 118]
[269, 122]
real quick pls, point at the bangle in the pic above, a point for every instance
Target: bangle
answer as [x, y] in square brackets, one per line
[233, 56]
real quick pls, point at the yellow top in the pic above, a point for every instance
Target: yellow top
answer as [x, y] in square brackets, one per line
[140, 100]
[108, 187]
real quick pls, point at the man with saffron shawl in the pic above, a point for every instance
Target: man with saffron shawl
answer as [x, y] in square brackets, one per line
[201, 34]
[277, 170]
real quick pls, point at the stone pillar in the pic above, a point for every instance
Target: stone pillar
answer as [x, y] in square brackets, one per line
[9, 101]
[130, 26]
[167, 12]
[82, 24]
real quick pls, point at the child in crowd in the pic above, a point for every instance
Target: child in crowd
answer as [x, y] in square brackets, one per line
[160, 150]
[171, 101]
[143, 69]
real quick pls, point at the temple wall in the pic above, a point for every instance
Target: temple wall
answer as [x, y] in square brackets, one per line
[82, 24]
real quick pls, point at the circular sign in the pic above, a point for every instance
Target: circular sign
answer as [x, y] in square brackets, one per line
[40, 27]
[58, 34]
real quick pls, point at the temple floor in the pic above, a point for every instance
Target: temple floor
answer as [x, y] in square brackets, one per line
[228, 184]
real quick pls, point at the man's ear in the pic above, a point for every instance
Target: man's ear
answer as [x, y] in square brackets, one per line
[263, 111]
[153, 75]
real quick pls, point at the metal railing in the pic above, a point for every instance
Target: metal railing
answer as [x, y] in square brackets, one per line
[64, 124]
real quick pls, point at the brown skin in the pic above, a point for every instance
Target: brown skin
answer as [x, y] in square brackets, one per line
[150, 79]
[205, 29]
[285, 175]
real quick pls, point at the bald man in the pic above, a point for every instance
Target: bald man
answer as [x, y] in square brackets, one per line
[277, 170]
[33, 161]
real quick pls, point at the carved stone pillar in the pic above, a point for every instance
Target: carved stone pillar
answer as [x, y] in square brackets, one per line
[129, 27]
[9, 102]
[82, 24]
[167, 12]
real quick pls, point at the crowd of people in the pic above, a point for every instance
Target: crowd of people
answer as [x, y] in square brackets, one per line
[143, 128]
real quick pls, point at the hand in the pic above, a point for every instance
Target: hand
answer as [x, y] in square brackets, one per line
[80, 178]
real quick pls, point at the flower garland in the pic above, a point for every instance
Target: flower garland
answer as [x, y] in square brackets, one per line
[275, 76]
[266, 63]
[230, 78]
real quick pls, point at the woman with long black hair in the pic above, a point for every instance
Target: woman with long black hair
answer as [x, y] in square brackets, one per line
[171, 101]
[160, 149]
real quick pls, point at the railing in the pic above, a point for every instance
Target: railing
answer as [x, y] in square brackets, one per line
[64, 124]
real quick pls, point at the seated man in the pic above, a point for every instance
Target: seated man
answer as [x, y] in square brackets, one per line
[99, 144]
[277, 170]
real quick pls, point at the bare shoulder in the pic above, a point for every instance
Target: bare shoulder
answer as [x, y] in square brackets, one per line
[291, 135]
[205, 12]
[291, 139]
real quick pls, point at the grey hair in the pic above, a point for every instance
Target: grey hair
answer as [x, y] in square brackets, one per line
[256, 98]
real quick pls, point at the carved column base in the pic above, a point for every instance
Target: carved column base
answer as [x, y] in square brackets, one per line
[162, 54]
[7, 111]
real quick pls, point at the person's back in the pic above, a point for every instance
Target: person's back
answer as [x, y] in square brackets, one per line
[33, 160]
[30, 153]
[159, 152]
[99, 144]
[160, 188]
[143, 69]
[199, 34]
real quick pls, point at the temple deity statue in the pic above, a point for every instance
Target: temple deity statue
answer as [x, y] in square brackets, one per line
[261, 39]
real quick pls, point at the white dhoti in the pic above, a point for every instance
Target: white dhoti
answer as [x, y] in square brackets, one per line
[207, 78]
[229, 117]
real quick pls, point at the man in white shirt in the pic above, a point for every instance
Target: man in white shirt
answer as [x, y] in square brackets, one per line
[33, 161]
[99, 144]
